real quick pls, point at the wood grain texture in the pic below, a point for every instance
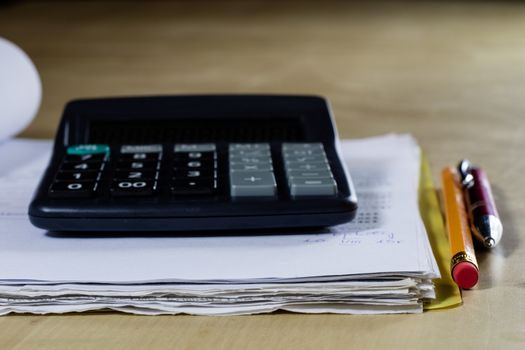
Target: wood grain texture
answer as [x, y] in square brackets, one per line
[450, 73]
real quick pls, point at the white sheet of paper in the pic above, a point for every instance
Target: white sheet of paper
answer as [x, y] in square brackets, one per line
[384, 238]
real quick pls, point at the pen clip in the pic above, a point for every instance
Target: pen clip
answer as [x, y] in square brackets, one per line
[465, 173]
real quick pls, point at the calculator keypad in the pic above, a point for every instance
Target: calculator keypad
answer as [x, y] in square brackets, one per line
[194, 169]
[251, 170]
[191, 169]
[137, 170]
[79, 173]
[308, 170]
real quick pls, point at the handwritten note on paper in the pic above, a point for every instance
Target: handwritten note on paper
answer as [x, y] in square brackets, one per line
[382, 239]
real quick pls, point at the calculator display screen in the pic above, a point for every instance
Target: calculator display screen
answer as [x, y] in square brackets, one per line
[196, 130]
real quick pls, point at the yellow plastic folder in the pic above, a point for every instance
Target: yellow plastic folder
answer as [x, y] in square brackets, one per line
[447, 292]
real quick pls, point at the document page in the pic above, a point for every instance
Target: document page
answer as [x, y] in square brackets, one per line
[385, 239]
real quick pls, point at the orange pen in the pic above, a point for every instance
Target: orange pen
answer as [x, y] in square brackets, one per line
[463, 266]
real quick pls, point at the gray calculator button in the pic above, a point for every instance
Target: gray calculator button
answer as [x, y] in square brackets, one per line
[140, 149]
[252, 184]
[250, 167]
[292, 174]
[249, 146]
[302, 146]
[319, 166]
[250, 160]
[250, 153]
[194, 147]
[304, 153]
[313, 187]
[306, 159]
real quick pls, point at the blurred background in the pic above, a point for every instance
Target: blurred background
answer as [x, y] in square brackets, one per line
[386, 66]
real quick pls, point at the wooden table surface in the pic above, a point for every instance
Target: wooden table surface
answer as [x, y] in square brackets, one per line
[450, 73]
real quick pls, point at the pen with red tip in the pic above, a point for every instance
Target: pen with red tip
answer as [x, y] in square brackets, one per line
[484, 218]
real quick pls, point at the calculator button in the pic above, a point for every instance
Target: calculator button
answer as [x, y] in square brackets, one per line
[249, 146]
[77, 175]
[267, 167]
[194, 147]
[133, 187]
[319, 166]
[252, 184]
[63, 189]
[84, 166]
[194, 187]
[194, 164]
[135, 174]
[137, 165]
[250, 160]
[87, 149]
[184, 173]
[189, 156]
[140, 156]
[85, 157]
[304, 153]
[250, 152]
[125, 149]
[292, 174]
[306, 159]
[313, 187]
[302, 146]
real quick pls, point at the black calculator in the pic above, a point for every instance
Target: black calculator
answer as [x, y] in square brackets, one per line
[194, 163]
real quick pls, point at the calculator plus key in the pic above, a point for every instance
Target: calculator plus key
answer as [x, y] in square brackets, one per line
[252, 184]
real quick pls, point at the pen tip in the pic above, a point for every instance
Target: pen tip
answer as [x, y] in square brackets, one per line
[489, 242]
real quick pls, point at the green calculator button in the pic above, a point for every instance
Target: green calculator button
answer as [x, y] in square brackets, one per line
[87, 149]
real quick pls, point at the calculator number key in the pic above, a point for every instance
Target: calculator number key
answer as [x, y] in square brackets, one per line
[138, 165]
[77, 176]
[79, 158]
[76, 189]
[81, 166]
[135, 174]
[133, 188]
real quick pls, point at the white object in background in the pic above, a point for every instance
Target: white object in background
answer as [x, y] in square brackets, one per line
[20, 90]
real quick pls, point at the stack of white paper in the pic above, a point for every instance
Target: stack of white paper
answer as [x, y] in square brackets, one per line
[379, 263]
